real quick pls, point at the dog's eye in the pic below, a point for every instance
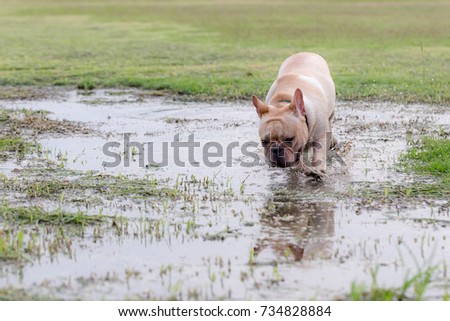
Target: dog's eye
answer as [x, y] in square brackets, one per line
[289, 141]
[264, 142]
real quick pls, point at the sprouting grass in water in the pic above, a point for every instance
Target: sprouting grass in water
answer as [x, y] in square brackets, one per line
[106, 186]
[413, 288]
[18, 122]
[429, 159]
[190, 225]
[251, 257]
[19, 294]
[11, 142]
[11, 245]
[27, 233]
[8, 144]
[19, 128]
[242, 187]
[389, 192]
[37, 215]
[21, 243]
[13, 145]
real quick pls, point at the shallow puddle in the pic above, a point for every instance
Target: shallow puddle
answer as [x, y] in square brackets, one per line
[244, 232]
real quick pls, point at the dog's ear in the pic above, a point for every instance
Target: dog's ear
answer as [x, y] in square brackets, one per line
[297, 104]
[261, 108]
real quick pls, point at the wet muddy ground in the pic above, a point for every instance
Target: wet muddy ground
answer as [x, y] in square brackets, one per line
[76, 226]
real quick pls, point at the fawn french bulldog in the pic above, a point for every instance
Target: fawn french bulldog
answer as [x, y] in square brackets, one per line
[296, 119]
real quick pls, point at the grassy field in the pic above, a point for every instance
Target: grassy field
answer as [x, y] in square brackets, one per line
[430, 156]
[397, 51]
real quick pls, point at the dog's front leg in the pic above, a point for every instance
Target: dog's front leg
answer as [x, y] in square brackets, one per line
[318, 165]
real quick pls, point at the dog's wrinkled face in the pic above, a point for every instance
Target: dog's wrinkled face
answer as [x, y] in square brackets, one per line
[283, 130]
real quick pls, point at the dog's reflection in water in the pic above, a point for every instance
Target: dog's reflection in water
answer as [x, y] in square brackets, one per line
[296, 227]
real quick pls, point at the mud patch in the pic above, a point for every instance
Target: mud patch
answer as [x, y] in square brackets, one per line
[29, 93]
[32, 123]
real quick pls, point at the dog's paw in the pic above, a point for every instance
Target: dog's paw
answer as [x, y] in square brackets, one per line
[317, 174]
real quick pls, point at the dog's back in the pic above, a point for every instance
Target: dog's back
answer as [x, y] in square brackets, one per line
[307, 71]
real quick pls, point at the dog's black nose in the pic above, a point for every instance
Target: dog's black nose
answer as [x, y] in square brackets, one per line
[277, 156]
[277, 151]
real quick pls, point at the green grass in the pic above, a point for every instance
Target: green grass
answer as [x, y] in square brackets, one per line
[218, 49]
[429, 156]
[37, 215]
[13, 145]
[11, 245]
[19, 129]
[25, 122]
[413, 288]
[22, 228]
[19, 294]
[389, 193]
[110, 187]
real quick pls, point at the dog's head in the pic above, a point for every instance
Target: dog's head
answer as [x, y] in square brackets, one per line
[283, 130]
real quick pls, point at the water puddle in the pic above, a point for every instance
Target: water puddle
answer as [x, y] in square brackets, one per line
[233, 230]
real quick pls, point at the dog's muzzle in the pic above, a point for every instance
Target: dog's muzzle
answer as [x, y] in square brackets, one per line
[277, 157]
